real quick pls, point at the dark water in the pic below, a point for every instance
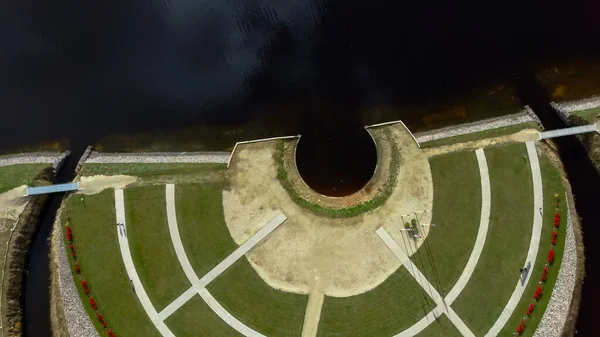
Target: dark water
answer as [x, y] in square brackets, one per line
[84, 70]
[336, 162]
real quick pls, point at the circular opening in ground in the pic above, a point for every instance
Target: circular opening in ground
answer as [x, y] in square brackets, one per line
[336, 162]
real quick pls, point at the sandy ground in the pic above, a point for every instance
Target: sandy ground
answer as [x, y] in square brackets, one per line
[96, 184]
[344, 255]
[13, 202]
[521, 136]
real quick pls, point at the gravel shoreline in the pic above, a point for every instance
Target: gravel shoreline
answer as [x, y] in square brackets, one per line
[558, 308]
[54, 158]
[78, 321]
[582, 104]
[483, 125]
[158, 157]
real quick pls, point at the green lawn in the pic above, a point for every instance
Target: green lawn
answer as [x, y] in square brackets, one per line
[99, 255]
[552, 184]
[249, 299]
[589, 114]
[144, 170]
[440, 327]
[16, 175]
[507, 242]
[151, 248]
[456, 214]
[390, 308]
[239, 289]
[196, 319]
[204, 234]
[507, 130]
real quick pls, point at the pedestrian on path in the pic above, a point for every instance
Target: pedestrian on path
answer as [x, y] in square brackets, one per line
[132, 286]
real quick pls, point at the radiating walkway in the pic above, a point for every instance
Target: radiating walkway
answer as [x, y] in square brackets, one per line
[475, 254]
[538, 203]
[423, 282]
[130, 268]
[198, 285]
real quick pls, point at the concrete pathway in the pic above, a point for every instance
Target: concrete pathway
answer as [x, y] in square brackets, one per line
[178, 303]
[130, 268]
[475, 254]
[538, 203]
[199, 284]
[484, 222]
[312, 313]
[242, 249]
[423, 282]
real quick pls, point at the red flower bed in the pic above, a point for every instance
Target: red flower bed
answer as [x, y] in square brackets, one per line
[93, 303]
[553, 241]
[85, 288]
[520, 328]
[69, 234]
[84, 284]
[530, 309]
[545, 274]
[551, 256]
[538, 293]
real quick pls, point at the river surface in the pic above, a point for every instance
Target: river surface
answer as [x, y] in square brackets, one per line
[86, 71]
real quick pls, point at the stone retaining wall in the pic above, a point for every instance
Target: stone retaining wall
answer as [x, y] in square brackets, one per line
[555, 317]
[158, 157]
[483, 125]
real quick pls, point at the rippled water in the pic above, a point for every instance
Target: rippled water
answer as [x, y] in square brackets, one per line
[84, 70]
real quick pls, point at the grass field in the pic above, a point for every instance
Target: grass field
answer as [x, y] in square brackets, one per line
[248, 298]
[239, 289]
[161, 173]
[145, 170]
[441, 327]
[16, 175]
[202, 225]
[509, 234]
[392, 307]
[196, 319]
[507, 130]
[589, 114]
[99, 256]
[151, 248]
[552, 184]
[456, 214]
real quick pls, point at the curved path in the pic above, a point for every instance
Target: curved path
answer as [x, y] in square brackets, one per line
[198, 285]
[130, 268]
[471, 263]
[443, 304]
[538, 203]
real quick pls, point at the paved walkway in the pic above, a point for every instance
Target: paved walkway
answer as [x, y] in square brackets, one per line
[538, 203]
[199, 284]
[484, 222]
[424, 283]
[475, 253]
[130, 268]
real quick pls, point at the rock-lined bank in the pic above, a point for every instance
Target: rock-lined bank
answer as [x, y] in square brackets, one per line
[558, 309]
[73, 319]
[158, 157]
[54, 158]
[483, 125]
